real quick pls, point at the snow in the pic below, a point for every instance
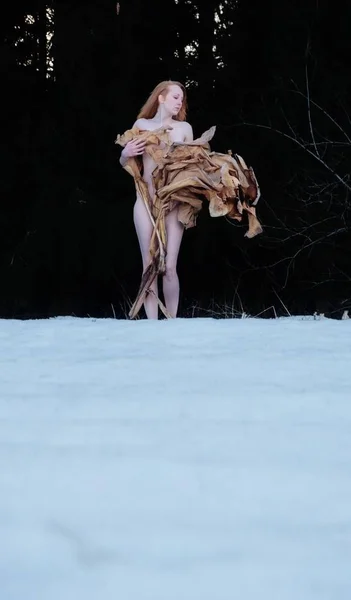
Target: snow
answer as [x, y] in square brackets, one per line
[193, 459]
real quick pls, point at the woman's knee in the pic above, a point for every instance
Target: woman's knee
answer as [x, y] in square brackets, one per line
[171, 271]
[146, 258]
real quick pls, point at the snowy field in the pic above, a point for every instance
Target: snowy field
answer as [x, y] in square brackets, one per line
[190, 459]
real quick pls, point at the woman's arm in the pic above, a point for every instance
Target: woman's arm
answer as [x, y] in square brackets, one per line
[132, 148]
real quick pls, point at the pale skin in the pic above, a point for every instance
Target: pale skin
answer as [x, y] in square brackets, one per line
[169, 106]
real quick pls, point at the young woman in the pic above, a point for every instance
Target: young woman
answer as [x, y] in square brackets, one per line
[172, 174]
[166, 107]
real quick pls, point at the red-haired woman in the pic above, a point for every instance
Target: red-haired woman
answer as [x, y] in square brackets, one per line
[165, 107]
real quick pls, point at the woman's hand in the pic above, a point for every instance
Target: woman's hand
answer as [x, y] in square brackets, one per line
[133, 148]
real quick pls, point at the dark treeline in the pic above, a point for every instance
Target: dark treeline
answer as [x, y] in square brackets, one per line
[274, 78]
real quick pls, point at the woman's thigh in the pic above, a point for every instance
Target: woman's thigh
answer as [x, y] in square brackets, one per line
[175, 231]
[143, 227]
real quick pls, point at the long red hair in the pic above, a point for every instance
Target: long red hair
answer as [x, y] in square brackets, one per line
[150, 107]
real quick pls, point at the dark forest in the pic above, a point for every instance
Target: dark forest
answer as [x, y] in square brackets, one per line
[274, 77]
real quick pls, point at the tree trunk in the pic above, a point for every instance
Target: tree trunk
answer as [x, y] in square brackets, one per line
[207, 60]
[41, 27]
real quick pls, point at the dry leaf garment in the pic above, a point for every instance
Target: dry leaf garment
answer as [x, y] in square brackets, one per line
[185, 174]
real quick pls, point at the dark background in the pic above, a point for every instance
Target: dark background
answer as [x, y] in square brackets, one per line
[275, 79]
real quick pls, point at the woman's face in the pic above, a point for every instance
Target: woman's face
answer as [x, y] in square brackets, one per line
[173, 100]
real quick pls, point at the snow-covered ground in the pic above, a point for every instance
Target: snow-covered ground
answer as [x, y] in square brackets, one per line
[190, 459]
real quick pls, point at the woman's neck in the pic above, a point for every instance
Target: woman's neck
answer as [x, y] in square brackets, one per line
[162, 119]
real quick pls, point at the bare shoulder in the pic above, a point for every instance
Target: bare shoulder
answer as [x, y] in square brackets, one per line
[142, 124]
[187, 131]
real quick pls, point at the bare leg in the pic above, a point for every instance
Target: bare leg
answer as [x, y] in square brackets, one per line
[144, 230]
[170, 279]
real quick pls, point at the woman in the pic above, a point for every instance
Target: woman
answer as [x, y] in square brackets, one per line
[172, 174]
[166, 107]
